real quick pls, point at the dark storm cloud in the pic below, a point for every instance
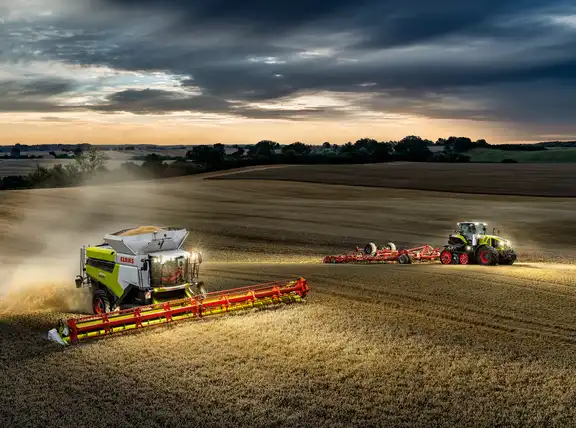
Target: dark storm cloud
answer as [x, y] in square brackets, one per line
[415, 54]
[154, 101]
[257, 16]
[34, 88]
[34, 95]
[150, 101]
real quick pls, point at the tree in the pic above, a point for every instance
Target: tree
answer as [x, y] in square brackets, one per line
[207, 155]
[413, 148]
[325, 145]
[481, 143]
[264, 148]
[15, 152]
[239, 152]
[90, 160]
[298, 148]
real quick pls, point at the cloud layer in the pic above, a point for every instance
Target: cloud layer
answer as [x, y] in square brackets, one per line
[486, 60]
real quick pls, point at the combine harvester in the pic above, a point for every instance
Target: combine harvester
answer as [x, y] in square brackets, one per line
[469, 244]
[142, 277]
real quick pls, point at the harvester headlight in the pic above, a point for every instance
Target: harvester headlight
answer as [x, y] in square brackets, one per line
[148, 295]
[468, 248]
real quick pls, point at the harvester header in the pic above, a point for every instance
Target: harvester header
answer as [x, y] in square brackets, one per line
[257, 296]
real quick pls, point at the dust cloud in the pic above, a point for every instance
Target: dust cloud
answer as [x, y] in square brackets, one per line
[40, 244]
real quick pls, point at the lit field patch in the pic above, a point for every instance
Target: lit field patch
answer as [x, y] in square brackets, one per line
[373, 346]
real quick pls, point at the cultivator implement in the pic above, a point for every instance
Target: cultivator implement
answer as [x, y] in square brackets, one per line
[210, 304]
[388, 254]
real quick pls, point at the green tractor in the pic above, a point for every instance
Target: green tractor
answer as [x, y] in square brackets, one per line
[471, 244]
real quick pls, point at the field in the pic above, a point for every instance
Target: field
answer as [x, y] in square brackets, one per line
[386, 345]
[26, 166]
[555, 155]
[498, 179]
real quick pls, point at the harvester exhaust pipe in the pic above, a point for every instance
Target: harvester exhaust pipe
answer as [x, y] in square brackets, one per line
[75, 330]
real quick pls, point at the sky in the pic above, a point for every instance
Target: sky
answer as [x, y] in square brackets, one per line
[240, 71]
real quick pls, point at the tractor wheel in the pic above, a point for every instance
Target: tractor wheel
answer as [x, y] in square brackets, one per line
[370, 249]
[446, 257]
[509, 261]
[404, 259]
[390, 246]
[464, 259]
[100, 302]
[486, 255]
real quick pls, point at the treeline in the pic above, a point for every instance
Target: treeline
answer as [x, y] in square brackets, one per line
[89, 162]
[365, 150]
[557, 144]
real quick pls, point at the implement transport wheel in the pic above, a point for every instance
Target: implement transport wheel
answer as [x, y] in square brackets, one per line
[464, 259]
[370, 249]
[404, 259]
[486, 255]
[100, 302]
[390, 246]
[446, 257]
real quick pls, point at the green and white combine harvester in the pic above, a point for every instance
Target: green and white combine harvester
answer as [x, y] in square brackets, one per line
[142, 276]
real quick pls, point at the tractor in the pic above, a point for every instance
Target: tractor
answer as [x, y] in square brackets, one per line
[471, 244]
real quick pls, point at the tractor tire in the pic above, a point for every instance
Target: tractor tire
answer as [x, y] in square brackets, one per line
[486, 255]
[390, 246]
[370, 249]
[404, 259]
[464, 259]
[446, 257]
[508, 262]
[100, 302]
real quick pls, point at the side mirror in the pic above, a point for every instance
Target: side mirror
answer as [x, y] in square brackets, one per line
[145, 266]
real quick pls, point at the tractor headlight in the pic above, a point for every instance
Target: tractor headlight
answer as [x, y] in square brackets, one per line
[468, 248]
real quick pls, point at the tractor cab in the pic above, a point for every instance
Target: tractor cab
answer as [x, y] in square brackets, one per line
[468, 233]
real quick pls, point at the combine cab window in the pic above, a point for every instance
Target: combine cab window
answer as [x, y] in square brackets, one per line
[167, 272]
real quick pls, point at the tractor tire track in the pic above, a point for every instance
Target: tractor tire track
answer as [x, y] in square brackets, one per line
[438, 311]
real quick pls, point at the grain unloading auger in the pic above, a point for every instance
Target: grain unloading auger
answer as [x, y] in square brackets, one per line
[142, 277]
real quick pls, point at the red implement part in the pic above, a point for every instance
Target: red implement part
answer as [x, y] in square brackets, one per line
[214, 303]
[385, 255]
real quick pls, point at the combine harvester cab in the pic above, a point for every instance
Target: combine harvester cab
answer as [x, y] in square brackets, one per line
[142, 277]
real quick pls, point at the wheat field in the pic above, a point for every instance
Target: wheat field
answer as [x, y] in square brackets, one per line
[418, 345]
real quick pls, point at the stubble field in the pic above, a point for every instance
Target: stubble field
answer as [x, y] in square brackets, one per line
[529, 179]
[384, 345]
